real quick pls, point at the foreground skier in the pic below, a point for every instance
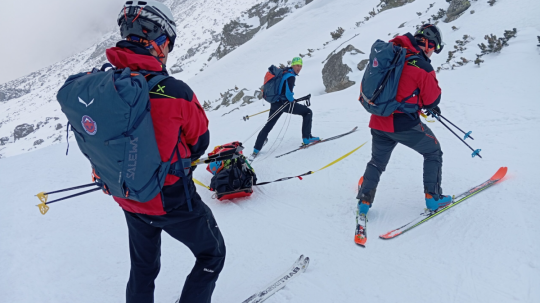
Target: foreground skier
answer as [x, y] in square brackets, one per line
[407, 129]
[149, 30]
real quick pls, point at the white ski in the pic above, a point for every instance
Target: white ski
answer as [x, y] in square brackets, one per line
[298, 267]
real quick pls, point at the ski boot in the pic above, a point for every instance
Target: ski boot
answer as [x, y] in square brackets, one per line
[256, 152]
[253, 155]
[310, 140]
[435, 201]
[363, 207]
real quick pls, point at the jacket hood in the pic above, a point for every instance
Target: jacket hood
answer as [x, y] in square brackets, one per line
[408, 42]
[135, 56]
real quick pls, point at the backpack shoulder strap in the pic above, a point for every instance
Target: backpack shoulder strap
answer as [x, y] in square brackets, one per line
[155, 80]
[286, 75]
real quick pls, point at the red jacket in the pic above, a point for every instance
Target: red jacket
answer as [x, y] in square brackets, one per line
[173, 105]
[417, 73]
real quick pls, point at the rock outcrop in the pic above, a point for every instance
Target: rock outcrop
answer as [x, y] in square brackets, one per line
[262, 15]
[456, 9]
[23, 130]
[335, 72]
[362, 64]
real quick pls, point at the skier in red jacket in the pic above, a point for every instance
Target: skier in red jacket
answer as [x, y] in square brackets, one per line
[149, 29]
[407, 129]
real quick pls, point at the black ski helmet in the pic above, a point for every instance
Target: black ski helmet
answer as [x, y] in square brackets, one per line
[147, 20]
[432, 33]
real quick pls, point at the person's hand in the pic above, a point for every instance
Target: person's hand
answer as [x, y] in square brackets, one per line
[436, 110]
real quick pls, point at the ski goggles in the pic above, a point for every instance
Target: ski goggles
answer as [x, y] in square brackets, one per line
[147, 44]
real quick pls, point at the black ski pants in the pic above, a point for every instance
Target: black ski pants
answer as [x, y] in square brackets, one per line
[198, 230]
[297, 109]
[421, 139]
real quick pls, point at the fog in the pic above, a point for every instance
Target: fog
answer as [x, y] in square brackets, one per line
[39, 33]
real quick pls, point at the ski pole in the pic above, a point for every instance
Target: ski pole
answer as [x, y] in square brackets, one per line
[305, 98]
[475, 152]
[467, 134]
[43, 196]
[68, 189]
[247, 117]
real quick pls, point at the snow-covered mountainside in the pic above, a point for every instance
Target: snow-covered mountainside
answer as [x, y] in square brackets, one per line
[483, 250]
[207, 31]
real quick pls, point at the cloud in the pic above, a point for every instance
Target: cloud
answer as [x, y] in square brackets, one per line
[39, 33]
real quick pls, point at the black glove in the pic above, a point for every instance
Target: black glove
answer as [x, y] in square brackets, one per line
[436, 110]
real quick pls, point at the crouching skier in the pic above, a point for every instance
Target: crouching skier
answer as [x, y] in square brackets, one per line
[285, 98]
[417, 86]
[150, 31]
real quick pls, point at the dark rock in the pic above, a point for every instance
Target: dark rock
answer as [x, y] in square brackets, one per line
[38, 142]
[236, 33]
[7, 93]
[59, 126]
[334, 72]
[3, 140]
[258, 94]
[226, 99]
[389, 4]
[457, 7]
[274, 16]
[238, 96]
[175, 69]
[247, 100]
[362, 64]
[99, 52]
[23, 130]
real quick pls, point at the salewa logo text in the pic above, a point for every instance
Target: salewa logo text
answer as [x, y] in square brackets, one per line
[132, 160]
[82, 101]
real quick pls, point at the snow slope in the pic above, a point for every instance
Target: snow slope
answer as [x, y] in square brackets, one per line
[482, 251]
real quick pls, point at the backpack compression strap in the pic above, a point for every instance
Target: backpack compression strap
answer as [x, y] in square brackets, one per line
[181, 169]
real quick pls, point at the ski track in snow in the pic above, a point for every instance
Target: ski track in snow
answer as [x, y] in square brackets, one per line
[484, 250]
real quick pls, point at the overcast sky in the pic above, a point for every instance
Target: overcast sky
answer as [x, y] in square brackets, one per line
[37, 33]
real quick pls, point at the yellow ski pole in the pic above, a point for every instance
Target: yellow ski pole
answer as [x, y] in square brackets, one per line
[247, 117]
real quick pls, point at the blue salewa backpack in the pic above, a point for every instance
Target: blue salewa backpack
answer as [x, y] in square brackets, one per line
[379, 85]
[109, 112]
[273, 83]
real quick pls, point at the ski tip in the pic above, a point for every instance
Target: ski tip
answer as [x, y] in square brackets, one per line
[360, 182]
[360, 240]
[305, 265]
[500, 174]
[390, 235]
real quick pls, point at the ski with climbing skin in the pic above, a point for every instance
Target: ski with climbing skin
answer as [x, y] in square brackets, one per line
[304, 146]
[360, 233]
[296, 269]
[428, 215]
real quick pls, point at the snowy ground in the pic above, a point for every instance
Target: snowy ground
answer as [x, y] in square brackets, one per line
[482, 251]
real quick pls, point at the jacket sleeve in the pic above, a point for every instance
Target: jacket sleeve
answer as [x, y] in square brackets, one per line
[430, 92]
[195, 128]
